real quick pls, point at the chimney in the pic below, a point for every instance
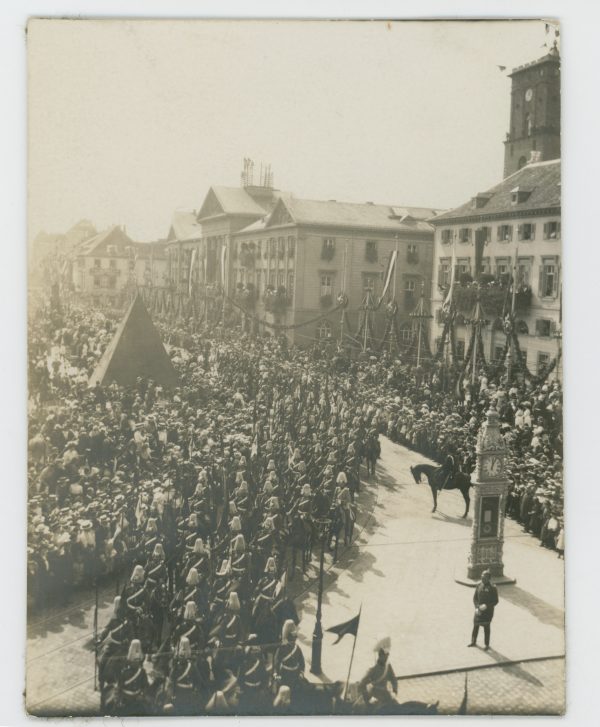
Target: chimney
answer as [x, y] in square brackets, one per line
[535, 156]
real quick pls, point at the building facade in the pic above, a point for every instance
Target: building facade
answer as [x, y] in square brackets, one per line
[106, 265]
[511, 230]
[290, 266]
[534, 113]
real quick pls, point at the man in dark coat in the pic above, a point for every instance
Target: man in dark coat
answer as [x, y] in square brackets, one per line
[485, 599]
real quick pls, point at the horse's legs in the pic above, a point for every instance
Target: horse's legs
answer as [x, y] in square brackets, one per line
[465, 494]
[434, 495]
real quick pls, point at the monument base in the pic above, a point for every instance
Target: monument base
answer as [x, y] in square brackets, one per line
[466, 580]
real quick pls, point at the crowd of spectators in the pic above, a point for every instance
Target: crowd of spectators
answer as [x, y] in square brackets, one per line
[258, 437]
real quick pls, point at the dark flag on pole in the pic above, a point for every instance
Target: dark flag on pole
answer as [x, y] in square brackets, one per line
[348, 627]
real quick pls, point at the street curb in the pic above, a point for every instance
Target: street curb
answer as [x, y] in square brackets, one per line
[463, 669]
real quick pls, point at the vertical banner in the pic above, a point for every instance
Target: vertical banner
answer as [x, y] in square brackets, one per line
[223, 259]
[191, 270]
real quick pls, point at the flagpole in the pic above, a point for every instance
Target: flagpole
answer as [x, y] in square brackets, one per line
[351, 657]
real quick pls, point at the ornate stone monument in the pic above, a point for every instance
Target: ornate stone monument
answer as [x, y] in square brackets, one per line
[489, 504]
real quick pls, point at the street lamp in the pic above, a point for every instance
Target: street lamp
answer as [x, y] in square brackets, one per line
[323, 524]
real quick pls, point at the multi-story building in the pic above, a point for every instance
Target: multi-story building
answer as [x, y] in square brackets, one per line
[292, 264]
[103, 266]
[511, 230]
[185, 236]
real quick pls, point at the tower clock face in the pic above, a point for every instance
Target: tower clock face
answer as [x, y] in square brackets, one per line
[492, 466]
[528, 94]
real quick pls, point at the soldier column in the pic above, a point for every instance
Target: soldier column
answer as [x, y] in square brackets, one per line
[490, 487]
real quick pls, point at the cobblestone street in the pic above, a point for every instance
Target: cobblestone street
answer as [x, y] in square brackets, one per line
[401, 567]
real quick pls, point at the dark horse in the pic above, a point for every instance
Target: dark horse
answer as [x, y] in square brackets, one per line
[444, 478]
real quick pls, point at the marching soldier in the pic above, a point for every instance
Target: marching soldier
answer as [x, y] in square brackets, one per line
[133, 683]
[288, 663]
[253, 679]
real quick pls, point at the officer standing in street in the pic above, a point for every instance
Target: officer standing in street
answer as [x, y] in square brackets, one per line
[485, 599]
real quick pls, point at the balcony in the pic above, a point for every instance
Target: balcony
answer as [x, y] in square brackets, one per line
[495, 297]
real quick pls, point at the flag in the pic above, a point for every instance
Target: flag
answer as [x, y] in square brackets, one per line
[463, 705]
[348, 627]
[446, 304]
[280, 587]
[388, 273]
[192, 263]
[223, 258]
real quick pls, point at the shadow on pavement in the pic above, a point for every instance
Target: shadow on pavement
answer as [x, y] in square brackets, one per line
[438, 515]
[543, 611]
[514, 669]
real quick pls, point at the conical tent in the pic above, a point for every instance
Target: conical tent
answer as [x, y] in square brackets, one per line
[136, 350]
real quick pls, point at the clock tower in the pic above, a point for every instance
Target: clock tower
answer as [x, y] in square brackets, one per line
[490, 487]
[534, 113]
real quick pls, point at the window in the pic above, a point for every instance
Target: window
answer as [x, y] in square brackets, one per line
[112, 264]
[324, 330]
[97, 263]
[291, 246]
[290, 283]
[522, 162]
[548, 282]
[281, 248]
[543, 327]
[371, 251]
[551, 230]
[281, 280]
[526, 231]
[483, 235]
[542, 360]
[412, 254]
[326, 284]
[97, 281]
[460, 349]
[447, 236]
[370, 283]
[463, 266]
[498, 351]
[524, 272]
[502, 267]
[272, 278]
[464, 234]
[406, 333]
[410, 285]
[444, 272]
[258, 282]
[328, 248]
[504, 233]
[486, 267]
[272, 247]
[111, 281]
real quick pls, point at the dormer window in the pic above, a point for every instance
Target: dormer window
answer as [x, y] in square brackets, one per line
[480, 200]
[519, 195]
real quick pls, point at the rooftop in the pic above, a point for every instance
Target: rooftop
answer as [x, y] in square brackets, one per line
[366, 215]
[541, 180]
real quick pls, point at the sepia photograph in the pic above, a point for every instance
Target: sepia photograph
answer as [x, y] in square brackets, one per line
[295, 368]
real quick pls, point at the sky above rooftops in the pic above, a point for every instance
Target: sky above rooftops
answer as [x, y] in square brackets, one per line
[130, 120]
